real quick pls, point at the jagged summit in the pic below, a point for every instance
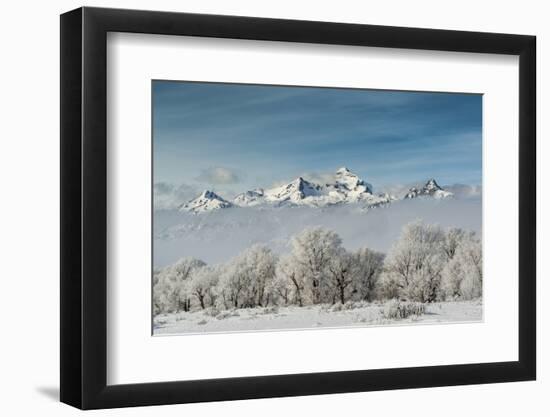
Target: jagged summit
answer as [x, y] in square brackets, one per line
[432, 185]
[206, 201]
[431, 189]
[209, 194]
[295, 191]
[343, 170]
[344, 177]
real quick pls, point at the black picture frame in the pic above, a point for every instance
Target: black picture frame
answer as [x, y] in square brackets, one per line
[84, 207]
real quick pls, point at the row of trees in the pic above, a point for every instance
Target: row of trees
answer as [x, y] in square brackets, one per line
[429, 264]
[426, 264]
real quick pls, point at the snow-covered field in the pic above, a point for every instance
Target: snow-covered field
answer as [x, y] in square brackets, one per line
[318, 316]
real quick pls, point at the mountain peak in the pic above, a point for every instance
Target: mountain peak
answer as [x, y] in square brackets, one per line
[431, 188]
[343, 170]
[209, 194]
[206, 201]
[351, 181]
[294, 191]
[249, 198]
[432, 184]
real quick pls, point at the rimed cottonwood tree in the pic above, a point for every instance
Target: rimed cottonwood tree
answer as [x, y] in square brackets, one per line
[463, 274]
[312, 251]
[170, 293]
[342, 273]
[414, 263]
[290, 281]
[246, 278]
[370, 264]
[202, 284]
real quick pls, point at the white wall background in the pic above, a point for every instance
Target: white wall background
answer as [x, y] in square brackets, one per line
[29, 237]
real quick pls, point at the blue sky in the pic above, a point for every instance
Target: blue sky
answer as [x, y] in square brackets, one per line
[231, 137]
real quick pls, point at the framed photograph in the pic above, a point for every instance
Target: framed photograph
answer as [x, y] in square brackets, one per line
[256, 208]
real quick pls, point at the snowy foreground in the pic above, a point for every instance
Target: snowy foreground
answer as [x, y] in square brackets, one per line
[318, 316]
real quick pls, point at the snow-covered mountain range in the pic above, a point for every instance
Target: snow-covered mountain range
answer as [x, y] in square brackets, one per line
[346, 188]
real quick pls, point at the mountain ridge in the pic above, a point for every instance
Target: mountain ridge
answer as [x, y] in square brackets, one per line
[346, 188]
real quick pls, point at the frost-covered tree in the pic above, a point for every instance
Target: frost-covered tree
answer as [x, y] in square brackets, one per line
[369, 265]
[202, 284]
[280, 290]
[463, 274]
[414, 263]
[246, 279]
[451, 280]
[453, 237]
[290, 280]
[312, 251]
[391, 286]
[231, 286]
[156, 274]
[342, 273]
[170, 293]
[471, 252]
[261, 262]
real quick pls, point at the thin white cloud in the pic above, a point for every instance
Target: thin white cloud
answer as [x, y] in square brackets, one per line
[167, 196]
[465, 191]
[218, 176]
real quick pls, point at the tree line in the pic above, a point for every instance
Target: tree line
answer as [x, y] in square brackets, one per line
[426, 264]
